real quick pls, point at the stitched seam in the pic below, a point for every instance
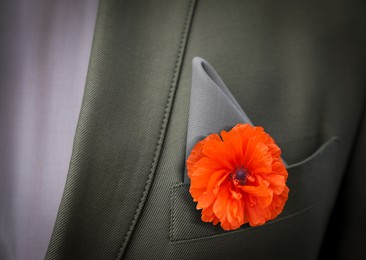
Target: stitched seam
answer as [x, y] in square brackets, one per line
[173, 196]
[161, 137]
[172, 210]
[172, 213]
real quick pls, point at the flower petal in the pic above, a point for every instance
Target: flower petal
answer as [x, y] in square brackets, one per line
[238, 179]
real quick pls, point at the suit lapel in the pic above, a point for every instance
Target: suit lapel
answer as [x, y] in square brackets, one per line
[134, 68]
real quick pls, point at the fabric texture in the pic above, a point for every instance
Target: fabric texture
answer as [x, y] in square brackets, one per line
[292, 68]
[346, 228]
[297, 68]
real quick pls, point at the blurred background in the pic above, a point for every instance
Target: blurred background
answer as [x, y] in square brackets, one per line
[44, 55]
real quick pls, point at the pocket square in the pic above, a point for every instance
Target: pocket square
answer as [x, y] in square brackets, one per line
[212, 106]
[236, 172]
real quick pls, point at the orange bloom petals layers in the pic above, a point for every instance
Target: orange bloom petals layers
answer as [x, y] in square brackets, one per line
[238, 177]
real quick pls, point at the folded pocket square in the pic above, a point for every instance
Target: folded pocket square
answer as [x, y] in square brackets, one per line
[212, 106]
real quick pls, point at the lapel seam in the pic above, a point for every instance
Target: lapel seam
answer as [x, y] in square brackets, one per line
[158, 148]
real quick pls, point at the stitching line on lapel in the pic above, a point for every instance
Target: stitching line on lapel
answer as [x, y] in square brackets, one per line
[168, 108]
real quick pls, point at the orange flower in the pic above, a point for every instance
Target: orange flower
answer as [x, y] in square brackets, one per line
[238, 177]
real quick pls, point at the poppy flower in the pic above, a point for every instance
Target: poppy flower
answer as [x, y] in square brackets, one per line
[238, 177]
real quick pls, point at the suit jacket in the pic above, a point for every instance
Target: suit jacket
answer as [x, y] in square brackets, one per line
[295, 67]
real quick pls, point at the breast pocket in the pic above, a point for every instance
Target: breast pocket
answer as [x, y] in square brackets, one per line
[313, 183]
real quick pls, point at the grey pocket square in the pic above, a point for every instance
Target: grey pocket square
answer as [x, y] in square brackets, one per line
[212, 106]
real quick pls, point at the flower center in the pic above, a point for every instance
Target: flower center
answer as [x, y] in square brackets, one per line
[239, 176]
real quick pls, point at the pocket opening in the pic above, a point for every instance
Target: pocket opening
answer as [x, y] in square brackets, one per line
[311, 181]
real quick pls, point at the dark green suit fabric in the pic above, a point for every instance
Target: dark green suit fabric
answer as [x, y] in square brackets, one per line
[295, 67]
